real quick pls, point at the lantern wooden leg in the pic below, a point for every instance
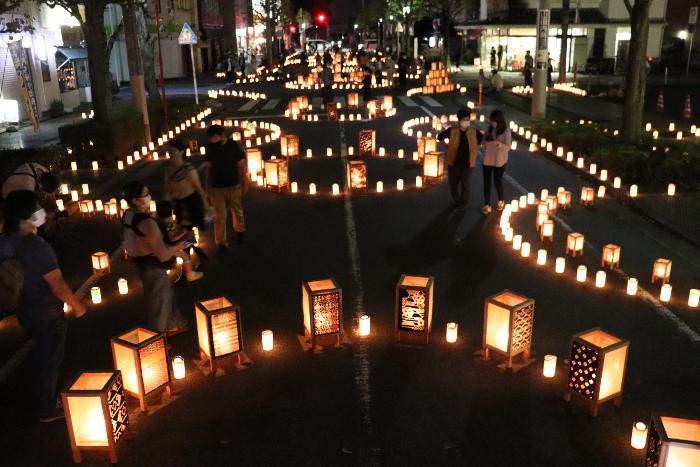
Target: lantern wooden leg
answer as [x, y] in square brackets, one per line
[113, 458]
[594, 409]
[485, 352]
[169, 390]
[142, 403]
[77, 456]
[526, 355]
[509, 363]
[617, 401]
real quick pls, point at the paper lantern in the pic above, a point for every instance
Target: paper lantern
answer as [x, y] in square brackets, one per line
[433, 166]
[530, 198]
[508, 324]
[671, 190]
[587, 196]
[611, 256]
[617, 182]
[100, 263]
[547, 230]
[414, 309]
[73, 166]
[353, 100]
[560, 265]
[581, 273]
[549, 367]
[597, 367]
[694, 298]
[665, 294]
[332, 111]
[267, 340]
[541, 257]
[95, 295]
[426, 145]
[322, 306]
[141, 356]
[662, 270]
[312, 188]
[673, 441]
[219, 330]
[600, 279]
[110, 208]
[357, 175]
[525, 250]
[564, 199]
[178, 367]
[634, 190]
[289, 145]
[603, 174]
[632, 285]
[59, 205]
[399, 184]
[96, 413]
[364, 326]
[277, 174]
[639, 435]
[372, 108]
[387, 103]
[574, 244]
[540, 218]
[451, 333]
[367, 142]
[122, 286]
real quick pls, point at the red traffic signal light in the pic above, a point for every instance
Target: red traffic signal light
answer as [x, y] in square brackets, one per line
[292, 29]
[321, 18]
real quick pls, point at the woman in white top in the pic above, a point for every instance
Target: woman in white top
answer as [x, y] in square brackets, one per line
[497, 140]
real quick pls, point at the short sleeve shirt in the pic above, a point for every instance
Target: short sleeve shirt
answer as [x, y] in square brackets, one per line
[224, 159]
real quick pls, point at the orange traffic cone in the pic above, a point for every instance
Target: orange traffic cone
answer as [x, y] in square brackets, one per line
[660, 102]
[687, 113]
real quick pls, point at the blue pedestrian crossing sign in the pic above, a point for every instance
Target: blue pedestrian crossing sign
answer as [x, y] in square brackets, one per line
[187, 36]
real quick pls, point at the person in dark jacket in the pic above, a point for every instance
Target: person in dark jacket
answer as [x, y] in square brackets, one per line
[462, 145]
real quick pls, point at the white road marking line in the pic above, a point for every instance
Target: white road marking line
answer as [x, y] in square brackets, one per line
[271, 104]
[248, 105]
[407, 101]
[430, 101]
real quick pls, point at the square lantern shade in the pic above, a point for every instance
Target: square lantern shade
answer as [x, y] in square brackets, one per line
[96, 414]
[611, 256]
[414, 308]
[332, 111]
[372, 108]
[353, 100]
[255, 162]
[367, 142]
[564, 199]
[289, 145]
[141, 356]
[547, 230]
[111, 208]
[574, 244]
[322, 306]
[508, 322]
[433, 166]
[100, 263]
[597, 367]
[303, 102]
[673, 441]
[425, 145]
[587, 196]
[357, 175]
[219, 330]
[277, 174]
[662, 270]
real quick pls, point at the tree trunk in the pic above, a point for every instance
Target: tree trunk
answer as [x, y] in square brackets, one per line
[148, 54]
[98, 59]
[446, 39]
[269, 37]
[636, 77]
[230, 41]
[563, 52]
[133, 53]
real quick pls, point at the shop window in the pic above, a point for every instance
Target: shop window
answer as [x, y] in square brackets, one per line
[45, 71]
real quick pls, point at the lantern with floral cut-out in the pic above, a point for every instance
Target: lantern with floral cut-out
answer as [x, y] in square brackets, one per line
[508, 323]
[673, 441]
[414, 309]
[662, 270]
[142, 357]
[597, 367]
[367, 142]
[255, 162]
[277, 174]
[332, 111]
[96, 413]
[433, 166]
[289, 145]
[357, 175]
[100, 263]
[322, 307]
[574, 244]
[219, 330]
[611, 256]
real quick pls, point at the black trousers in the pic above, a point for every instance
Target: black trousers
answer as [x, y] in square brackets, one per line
[497, 180]
[458, 177]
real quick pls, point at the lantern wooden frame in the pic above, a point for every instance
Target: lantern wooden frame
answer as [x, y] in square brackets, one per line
[280, 169]
[106, 394]
[574, 244]
[665, 275]
[353, 100]
[564, 199]
[357, 175]
[671, 437]
[100, 263]
[547, 230]
[519, 312]
[425, 145]
[332, 111]
[254, 162]
[321, 298]
[414, 297]
[219, 312]
[434, 159]
[596, 355]
[367, 142]
[611, 256]
[289, 145]
[587, 196]
[130, 350]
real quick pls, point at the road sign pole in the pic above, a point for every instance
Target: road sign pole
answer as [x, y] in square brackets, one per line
[690, 52]
[194, 75]
[539, 94]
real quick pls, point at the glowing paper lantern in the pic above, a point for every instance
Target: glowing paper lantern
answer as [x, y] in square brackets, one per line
[541, 257]
[508, 324]
[639, 435]
[517, 241]
[581, 272]
[564, 199]
[600, 279]
[673, 442]
[380, 186]
[219, 330]
[364, 326]
[617, 182]
[662, 270]
[312, 188]
[357, 175]
[560, 265]
[671, 190]
[322, 306]
[597, 367]
[289, 145]
[277, 174]
[426, 145]
[549, 367]
[353, 100]
[433, 166]
[267, 340]
[525, 249]
[100, 263]
[178, 367]
[123, 286]
[367, 142]
[665, 294]
[414, 308]
[96, 413]
[574, 244]
[587, 196]
[632, 285]
[694, 298]
[95, 295]
[547, 230]
[141, 355]
[451, 333]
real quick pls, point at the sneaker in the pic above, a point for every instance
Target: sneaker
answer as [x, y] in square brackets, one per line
[57, 414]
[500, 205]
[194, 276]
[486, 209]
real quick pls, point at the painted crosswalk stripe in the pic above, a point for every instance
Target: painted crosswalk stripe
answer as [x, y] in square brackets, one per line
[271, 104]
[407, 101]
[248, 105]
[430, 101]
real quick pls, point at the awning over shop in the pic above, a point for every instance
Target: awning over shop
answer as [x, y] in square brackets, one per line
[73, 53]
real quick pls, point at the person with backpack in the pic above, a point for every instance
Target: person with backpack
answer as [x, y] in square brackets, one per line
[32, 286]
[146, 246]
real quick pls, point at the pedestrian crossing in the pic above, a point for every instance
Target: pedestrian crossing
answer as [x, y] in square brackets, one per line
[280, 104]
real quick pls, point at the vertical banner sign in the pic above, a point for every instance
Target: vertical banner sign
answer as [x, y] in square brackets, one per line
[188, 37]
[692, 20]
[542, 36]
[24, 76]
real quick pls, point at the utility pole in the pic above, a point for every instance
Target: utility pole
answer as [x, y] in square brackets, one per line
[133, 53]
[563, 50]
[539, 95]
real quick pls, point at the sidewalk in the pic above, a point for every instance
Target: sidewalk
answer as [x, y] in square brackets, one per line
[25, 137]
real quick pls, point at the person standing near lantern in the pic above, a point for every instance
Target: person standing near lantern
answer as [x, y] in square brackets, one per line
[327, 80]
[184, 188]
[462, 144]
[366, 83]
[41, 296]
[226, 182]
[498, 141]
[147, 248]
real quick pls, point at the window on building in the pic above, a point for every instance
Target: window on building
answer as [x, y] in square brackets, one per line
[66, 78]
[45, 71]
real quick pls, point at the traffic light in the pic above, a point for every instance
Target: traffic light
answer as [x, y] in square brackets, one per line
[321, 18]
[292, 29]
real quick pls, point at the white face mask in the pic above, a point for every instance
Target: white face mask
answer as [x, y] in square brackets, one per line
[464, 124]
[38, 218]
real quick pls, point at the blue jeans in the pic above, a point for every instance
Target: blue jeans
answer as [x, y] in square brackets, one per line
[161, 310]
[49, 339]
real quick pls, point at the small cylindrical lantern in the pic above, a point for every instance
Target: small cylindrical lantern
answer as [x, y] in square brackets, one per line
[525, 249]
[95, 295]
[178, 367]
[632, 285]
[267, 340]
[100, 263]
[59, 205]
[560, 265]
[336, 189]
[522, 201]
[419, 181]
[399, 184]
[633, 191]
[662, 270]
[85, 188]
[694, 298]
[611, 256]
[364, 325]
[380, 186]
[665, 294]
[508, 324]
[530, 199]
[312, 188]
[671, 190]
[517, 241]
[549, 367]
[601, 191]
[639, 435]
[541, 257]
[581, 272]
[543, 194]
[617, 182]
[451, 333]
[600, 279]
[603, 174]
[574, 244]
[123, 286]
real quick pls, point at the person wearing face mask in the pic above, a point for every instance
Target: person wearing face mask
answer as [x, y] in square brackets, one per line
[462, 144]
[184, 188]
[497, 142]
[147, 248]
[43, 293]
